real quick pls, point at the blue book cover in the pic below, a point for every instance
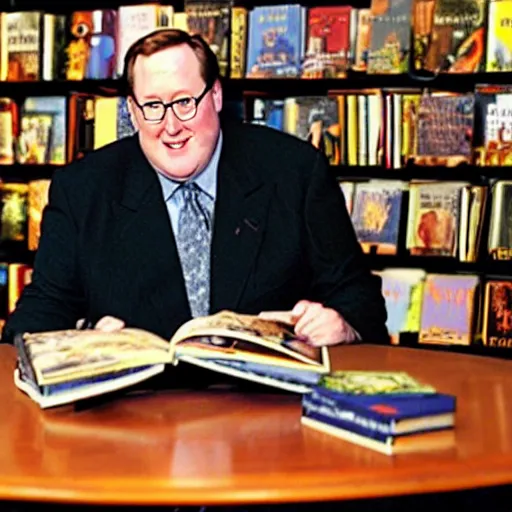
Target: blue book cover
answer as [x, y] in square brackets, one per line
[384, 408]
[376, 214]
[276, 41]
[366, 427]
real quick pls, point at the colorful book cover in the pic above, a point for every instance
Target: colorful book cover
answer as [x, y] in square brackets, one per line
[24, 40]
[402, 290]
[13, 216]
[102, 53]
[328, 42]
[238, 41]
[42, 138]
[376, 214]
[316, 121]
[422, 23]
[276, 41]
[211, 20]
[497, 314]
[78, 45]
[499, 36]
[445, 127]
[269, 112]
[492, 134]
[362, 382]
[500, 223]
[434, 212]
[37, 200]
[390, 36]
[448, 309]
[457, 43]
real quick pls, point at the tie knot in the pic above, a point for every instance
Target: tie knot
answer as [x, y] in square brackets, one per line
[190, 190]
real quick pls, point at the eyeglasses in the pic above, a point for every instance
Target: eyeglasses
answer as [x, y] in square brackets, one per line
[184, 108]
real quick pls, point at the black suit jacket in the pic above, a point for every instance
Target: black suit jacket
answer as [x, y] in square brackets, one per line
[281, 233]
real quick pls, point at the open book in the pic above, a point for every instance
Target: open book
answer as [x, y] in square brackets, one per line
[59, 367]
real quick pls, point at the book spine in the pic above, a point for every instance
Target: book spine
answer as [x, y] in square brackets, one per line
[345, 420]
[24, 359]
[313, 406]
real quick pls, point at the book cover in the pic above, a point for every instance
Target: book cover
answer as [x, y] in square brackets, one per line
[403, 294]
[457, 43]
[276, 41]
[434, 213]
[328, 42]
[211, 20]
[382, 413]
[500, 223]
[499, 37]
[390, 36]
[445, 127]
[24, 35]
[101, 63]
[238, 41]
[492, 134]
[78, 45]
[315, 119]
[37, 200]
[497, 314]
[43, 137]
[448, 309]
[13, 215]
[376, 214]
[254, 348]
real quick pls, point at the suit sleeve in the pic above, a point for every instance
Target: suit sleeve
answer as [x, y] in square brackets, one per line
[54, 299]
[342, 280]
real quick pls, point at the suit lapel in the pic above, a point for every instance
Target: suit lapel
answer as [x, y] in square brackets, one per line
[240, 217]
[143, 240]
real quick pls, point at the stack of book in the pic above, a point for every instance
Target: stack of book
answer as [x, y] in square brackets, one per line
[390, 412]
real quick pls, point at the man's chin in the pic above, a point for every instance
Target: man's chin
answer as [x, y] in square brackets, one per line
[179, 174]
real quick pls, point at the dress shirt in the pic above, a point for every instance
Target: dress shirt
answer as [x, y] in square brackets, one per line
[206, 181]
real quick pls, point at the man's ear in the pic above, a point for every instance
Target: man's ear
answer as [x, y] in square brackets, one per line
[217, 95]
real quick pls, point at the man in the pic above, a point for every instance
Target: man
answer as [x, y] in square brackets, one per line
[273, 231]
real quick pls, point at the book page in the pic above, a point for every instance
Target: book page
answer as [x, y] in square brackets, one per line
[221, 329]
[58, 356]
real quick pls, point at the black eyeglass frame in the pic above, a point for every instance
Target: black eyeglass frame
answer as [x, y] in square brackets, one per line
[197, 100]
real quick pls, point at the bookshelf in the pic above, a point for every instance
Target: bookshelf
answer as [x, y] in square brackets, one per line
[247, 89]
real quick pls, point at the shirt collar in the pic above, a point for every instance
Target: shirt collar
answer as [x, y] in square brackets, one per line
[206, 180]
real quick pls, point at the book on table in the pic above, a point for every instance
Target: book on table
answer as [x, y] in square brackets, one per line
[390, 412]
[58, 367]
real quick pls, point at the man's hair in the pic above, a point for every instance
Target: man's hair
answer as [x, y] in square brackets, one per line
[167, 38]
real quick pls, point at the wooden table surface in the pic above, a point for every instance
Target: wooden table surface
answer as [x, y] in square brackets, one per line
[224, 447]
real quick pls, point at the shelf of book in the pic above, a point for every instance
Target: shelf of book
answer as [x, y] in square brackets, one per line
[279, 87]
[394, 148]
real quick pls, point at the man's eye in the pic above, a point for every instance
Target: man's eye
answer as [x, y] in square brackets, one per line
[153, 106]
[184, 102]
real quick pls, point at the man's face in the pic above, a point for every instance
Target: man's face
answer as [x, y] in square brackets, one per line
[179, 149]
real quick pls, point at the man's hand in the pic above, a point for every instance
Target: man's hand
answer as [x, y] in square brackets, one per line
[319, 326]
[106, 324]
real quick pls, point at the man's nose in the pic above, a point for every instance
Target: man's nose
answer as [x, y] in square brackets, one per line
[172, 123]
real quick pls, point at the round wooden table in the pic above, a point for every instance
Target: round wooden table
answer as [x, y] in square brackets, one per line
[225, 447]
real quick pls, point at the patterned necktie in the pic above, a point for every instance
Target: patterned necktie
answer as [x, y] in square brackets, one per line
[193, 240]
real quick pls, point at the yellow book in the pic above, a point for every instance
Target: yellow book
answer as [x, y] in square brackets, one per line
[238, 41]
